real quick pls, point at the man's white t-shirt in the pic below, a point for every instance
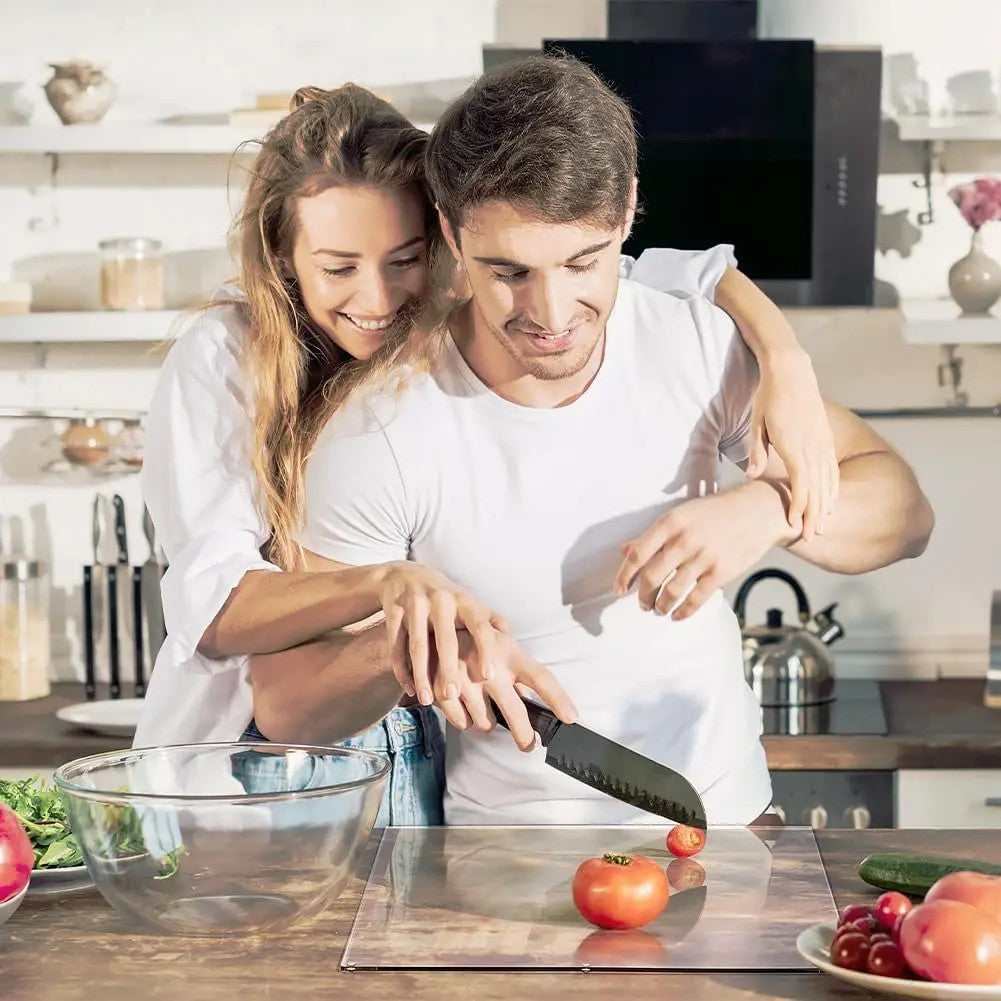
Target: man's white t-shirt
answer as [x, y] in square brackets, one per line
[527, 509]
[201, 490]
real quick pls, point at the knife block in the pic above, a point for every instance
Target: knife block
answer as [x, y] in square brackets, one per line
[116, 643]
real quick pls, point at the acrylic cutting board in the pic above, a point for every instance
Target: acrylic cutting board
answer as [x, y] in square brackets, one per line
[499, 898]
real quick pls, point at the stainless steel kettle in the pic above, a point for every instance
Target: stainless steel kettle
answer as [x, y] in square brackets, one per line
[788, 665]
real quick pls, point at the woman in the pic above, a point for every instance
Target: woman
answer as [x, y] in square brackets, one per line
[335, 239]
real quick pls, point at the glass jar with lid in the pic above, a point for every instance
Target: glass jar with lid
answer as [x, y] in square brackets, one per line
[24, 630]
[132, 273]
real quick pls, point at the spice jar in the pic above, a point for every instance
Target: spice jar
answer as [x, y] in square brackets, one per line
[24, 630]
[85, 442]
[131, 273]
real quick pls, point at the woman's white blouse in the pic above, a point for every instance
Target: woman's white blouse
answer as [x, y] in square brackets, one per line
[200, 490]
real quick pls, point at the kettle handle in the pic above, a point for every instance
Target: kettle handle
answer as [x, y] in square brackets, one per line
[740, 601]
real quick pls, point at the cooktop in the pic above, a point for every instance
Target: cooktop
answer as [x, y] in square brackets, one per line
[856, 709]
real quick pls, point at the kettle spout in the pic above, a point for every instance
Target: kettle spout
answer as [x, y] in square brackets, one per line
[826, 627]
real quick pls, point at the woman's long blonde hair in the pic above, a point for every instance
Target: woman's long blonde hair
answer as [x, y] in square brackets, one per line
[299, 375]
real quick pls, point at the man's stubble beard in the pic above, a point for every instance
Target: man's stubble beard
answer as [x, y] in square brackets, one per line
[561, 367]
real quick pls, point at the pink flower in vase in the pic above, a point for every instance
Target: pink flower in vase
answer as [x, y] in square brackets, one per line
[978, 201]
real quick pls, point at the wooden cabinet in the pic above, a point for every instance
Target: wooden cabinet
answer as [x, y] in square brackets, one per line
[949, 798]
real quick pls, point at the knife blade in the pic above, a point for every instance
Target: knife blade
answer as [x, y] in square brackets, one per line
[123, 663]
[154, 630]
[613, 769]
[98, 591]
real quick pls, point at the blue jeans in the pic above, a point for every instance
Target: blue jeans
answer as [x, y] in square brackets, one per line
[415, 745]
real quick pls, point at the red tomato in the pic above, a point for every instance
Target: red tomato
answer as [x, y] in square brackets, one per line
[16, 855]
[685, 841]
[952, 943]
[685, 874]
[890, 906]
[850, 951]
[974, 888]
[895, 930]
[851, 912]
[886, 959]
[629, 949]
[620, 891]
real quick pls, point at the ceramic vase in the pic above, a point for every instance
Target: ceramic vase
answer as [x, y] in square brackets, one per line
[975, 280]
[79, 92]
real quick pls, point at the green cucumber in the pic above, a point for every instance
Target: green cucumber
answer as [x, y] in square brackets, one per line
[916, 874]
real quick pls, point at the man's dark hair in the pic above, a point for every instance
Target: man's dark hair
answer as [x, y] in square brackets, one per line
[545, 134]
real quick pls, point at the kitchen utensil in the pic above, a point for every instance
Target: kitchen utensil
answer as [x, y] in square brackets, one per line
[500, 898]
[613, 769]
[788, 665]
[111, 717]
[114, 676]
[153, 624]
[102, 523]
[814, 945]
[217, 839]
[138, 653]
[123, 653]
[90, 676]
[992, 690]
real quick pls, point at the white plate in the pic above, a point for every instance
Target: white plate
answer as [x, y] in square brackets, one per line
[45, 882]
[814, 945]
[114, 717]
[8, 907]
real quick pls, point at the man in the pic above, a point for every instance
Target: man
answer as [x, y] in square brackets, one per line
[564, 449]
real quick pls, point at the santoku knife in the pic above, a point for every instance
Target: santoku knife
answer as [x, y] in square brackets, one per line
[613, 769]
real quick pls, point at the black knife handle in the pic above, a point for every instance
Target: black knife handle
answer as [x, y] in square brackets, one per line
[543, 720]
[137, 632]
[114, 682]
[89, 683]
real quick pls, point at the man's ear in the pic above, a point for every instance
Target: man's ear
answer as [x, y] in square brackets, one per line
[630, 211]
[449, 235]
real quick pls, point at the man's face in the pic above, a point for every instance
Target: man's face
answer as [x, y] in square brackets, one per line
[543, 290]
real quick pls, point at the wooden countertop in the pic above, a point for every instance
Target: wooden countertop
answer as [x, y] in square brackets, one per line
[932, 724]
[76, 948]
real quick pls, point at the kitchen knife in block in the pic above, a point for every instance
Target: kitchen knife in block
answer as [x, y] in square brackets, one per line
[123, 580]
[613, 769]
[154, 630]
[102, 539]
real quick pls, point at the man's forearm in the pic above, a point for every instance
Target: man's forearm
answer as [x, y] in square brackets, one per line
[881, 516]
[326, 690]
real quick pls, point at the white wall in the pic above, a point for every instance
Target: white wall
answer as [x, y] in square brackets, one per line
[188, 57]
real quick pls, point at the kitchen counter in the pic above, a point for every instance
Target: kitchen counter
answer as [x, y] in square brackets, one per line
[932, 724]
[76, 947]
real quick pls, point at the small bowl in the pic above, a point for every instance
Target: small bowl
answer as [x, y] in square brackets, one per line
[222, 839]
[8, 907]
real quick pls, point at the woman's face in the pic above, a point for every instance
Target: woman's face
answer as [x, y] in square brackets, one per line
[359, 257]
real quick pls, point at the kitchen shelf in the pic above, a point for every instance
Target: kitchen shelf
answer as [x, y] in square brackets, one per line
[939, 321]
[125, 137]
[220, 138]
[950, 128]
[93, 325]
